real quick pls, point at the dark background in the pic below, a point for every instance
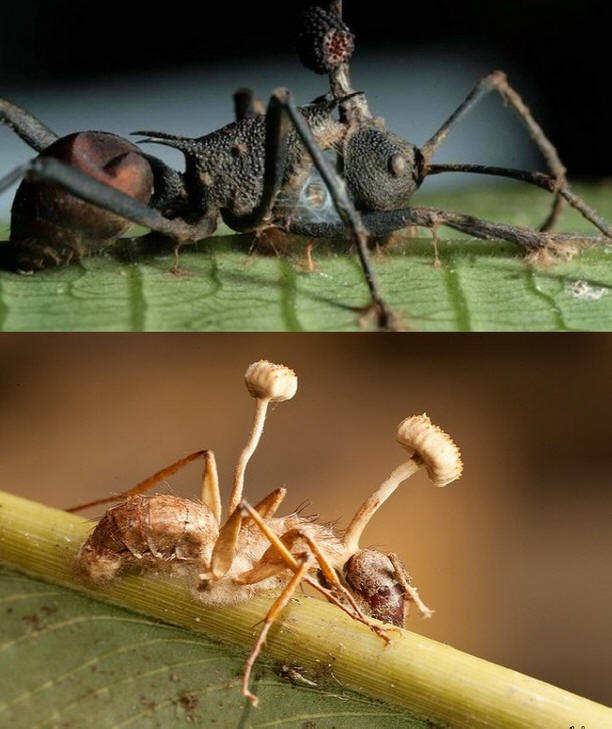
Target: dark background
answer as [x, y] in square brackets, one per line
[559, 48]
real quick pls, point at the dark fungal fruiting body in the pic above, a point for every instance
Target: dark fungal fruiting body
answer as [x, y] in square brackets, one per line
[148, 531]
[372, 579]
[324, 41]
[50, 226]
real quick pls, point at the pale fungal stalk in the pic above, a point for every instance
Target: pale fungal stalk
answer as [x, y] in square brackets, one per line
[429, 447]
[266, 382]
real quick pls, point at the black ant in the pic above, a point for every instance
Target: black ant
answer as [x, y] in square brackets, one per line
[252, 172]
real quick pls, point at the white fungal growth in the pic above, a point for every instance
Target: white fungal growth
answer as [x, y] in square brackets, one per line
[422, 439]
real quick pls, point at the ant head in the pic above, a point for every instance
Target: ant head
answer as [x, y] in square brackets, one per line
[372, 579]
[382, 170]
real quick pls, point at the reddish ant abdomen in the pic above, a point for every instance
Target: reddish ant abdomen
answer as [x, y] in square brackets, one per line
[149, 531]
[49, 226]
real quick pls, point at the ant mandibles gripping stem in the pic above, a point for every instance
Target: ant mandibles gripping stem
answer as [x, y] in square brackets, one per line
[252, 172]
[252, 550]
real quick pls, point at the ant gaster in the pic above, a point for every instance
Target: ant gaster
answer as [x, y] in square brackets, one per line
[255, 550]
[251, 173]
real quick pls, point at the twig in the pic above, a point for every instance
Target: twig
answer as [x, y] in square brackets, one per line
[429, 678]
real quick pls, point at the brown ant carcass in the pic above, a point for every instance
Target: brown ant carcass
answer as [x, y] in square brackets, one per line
[253, 172]
[254, 550]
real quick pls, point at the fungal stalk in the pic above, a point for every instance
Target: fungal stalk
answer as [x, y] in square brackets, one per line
[429, 447]
[266, 382]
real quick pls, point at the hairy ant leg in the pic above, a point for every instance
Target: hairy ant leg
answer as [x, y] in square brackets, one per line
[225, 547]
[534, 178]
[210, 483]
[382, 222]
[280, 602]
[497, 81]
[278, 557]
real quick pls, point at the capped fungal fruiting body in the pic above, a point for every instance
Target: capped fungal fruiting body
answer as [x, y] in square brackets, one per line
[267, 380]
[421, 438]
[252, 549]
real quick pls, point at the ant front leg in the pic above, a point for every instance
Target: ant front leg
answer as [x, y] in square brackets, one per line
[278, 557]
[497, 81]
[282, 114]
[534, 241]
[534, 178]
[541, 246]
[280, 602]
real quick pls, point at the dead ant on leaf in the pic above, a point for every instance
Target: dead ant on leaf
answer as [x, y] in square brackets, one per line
[253, 550]
[82, 191]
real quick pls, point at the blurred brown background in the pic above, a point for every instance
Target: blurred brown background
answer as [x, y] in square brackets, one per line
[515, 557]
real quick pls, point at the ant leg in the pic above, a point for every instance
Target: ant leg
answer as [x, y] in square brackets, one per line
[534, 178]
[210, 476]
[278, 128]
[278, 557]
[497, 81]
[28, 127]
[280, 602]
[104, 196]
[346, 210]
[380, 223]
[210, 485]
[281, 115]
[268, 506]
[487, 229]
[247, 104]
[225, 546]
[410, 591]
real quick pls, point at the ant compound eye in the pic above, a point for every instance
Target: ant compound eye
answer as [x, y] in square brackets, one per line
[398, 165]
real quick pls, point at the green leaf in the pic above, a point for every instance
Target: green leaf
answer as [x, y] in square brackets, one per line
[479, 285]
[76, 662]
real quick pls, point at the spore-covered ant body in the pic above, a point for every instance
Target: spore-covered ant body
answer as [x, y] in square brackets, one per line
[253, 549]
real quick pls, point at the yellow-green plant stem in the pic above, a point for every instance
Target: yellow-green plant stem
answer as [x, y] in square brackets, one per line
[429, 678]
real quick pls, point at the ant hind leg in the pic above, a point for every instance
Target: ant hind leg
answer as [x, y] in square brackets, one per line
[497, 81]
[28, 127]
[209, 478]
